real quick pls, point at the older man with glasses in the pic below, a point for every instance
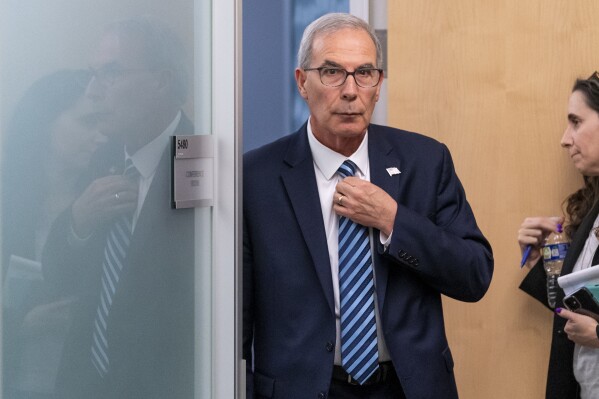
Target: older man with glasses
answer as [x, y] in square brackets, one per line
[352, 232]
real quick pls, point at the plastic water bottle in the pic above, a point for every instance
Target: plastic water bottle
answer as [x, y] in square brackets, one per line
[554, 251]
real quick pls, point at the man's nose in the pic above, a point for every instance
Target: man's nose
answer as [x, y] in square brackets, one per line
[349, 89]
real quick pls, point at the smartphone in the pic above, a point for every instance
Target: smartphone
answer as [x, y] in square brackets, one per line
[594, 288]
[583, 302]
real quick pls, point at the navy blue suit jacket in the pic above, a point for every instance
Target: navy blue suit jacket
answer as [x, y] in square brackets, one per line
[436, 248]
[151, 323]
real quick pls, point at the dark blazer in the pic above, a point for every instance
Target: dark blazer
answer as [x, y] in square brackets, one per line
[436, 248]
[561, 383]
[151, 323]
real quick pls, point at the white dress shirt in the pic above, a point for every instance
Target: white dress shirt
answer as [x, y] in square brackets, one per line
[326, 164]
[586, 359]
[146, 160]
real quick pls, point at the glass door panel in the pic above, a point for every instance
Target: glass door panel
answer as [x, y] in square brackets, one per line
[105, 288]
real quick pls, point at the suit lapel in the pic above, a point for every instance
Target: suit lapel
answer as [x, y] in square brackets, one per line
[381, 157]
[300, 183]
[157, 201]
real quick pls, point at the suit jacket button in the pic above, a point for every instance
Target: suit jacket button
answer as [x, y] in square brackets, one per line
[401, 253]
[322, 395]
[330, 346]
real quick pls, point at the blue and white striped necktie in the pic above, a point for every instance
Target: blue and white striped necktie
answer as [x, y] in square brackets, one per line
[359, 353]
[115, 252]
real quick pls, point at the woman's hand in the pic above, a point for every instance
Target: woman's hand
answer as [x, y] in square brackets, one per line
[533, 232]
[581, 329]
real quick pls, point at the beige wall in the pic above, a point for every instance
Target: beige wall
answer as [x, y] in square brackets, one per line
[491, 79]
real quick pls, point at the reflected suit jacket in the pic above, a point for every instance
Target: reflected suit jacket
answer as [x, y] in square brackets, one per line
[436, 248]
[151, 321]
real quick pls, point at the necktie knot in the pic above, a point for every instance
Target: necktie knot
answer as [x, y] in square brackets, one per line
[347, 168]
[130, 169]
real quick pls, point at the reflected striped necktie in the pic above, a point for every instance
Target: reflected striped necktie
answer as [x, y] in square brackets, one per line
[115, 252]
[359, 353]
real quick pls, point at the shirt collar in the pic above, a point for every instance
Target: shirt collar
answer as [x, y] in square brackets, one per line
[147, 158]
[329, 161]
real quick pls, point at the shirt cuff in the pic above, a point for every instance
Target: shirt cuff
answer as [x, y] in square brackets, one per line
[385, 241]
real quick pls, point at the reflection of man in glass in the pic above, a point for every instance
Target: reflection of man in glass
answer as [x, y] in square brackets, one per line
[120, 248]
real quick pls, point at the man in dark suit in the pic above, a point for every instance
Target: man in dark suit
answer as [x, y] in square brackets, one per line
[132, 321]
[303, 334]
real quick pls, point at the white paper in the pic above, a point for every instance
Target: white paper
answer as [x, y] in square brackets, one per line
[21, 272]
[573, 281]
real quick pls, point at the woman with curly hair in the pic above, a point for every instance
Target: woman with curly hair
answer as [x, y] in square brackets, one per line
[46, 147]
[574, 359]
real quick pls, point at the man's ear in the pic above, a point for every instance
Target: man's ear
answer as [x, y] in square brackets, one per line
[300, 79]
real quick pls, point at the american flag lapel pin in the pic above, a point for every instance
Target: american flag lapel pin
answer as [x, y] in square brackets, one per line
[393, 171]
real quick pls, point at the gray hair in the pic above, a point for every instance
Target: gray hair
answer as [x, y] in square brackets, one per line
[162, 49]
[331, 23]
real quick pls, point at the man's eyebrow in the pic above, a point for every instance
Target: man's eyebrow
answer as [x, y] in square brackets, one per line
[109, 66]
[328, 63]
[573, 117]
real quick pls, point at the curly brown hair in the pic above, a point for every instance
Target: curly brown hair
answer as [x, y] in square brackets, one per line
[579, 203]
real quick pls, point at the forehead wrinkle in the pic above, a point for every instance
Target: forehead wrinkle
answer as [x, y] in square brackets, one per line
[120, 49]
[330, 63]
[348, 42]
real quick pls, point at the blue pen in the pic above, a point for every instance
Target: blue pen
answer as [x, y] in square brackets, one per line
[525, 255]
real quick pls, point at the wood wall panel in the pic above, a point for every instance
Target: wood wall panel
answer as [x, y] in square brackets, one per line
[491, 79]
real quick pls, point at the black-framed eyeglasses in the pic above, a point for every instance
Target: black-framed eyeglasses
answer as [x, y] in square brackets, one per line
[333, 76]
